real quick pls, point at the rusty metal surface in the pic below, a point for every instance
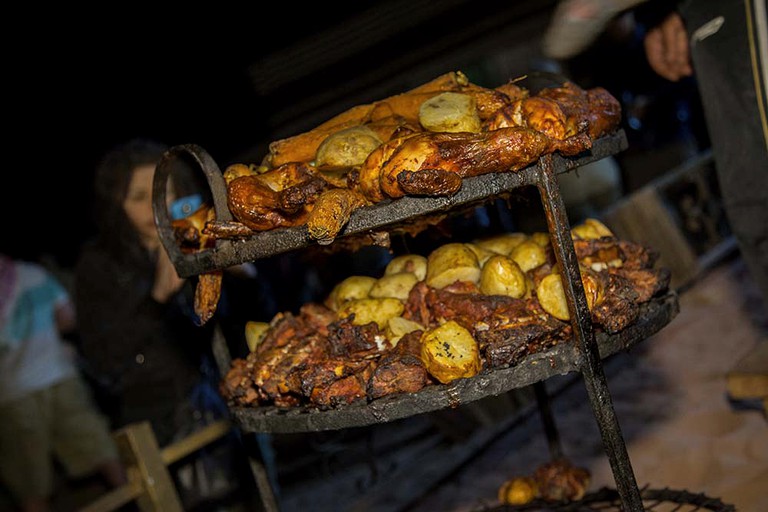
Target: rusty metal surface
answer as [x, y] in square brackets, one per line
[390, 215]
[559, 360]
[607, 500]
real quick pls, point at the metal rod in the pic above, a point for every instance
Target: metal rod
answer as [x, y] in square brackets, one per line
[583, 333]
[548, 420]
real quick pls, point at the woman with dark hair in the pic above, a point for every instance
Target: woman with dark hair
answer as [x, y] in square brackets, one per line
[138, 335]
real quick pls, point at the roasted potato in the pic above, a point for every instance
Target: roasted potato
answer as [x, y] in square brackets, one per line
[590, 229]
[502, 276]
[397, 327]
[541, 238]
[413, 263]
[450, 263]
[551, 294]
[518, 491]
[528, 254]
[346, 148]
[482, 253]
[503, 243]
[372, 310]
[450, 112]
[449, 352]
[254, 333]
[351, 288]
[396, 286]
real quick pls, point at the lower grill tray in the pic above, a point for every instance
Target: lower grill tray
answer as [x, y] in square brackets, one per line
[560, 359]
[607, 500]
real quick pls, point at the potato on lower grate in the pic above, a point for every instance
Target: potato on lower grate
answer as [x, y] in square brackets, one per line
[449, 352]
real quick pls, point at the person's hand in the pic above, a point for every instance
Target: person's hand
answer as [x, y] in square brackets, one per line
[667, 50]
[167, 281]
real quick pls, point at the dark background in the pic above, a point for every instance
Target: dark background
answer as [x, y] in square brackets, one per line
[230, 80]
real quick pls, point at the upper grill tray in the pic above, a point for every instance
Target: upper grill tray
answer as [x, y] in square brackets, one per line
[392, 216]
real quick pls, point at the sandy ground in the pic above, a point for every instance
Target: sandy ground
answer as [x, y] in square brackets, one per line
[681, 430]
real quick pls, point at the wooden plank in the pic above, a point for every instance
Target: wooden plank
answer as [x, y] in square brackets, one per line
[116, 498]
[140, 452]
[749, 377]
[643, 218]
[195, 441]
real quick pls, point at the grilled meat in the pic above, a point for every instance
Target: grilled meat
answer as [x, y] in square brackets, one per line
[400, 370]
[323, 358]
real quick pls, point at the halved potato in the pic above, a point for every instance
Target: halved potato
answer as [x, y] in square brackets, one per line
[502, 276]
[372, 310]
[450, 112]
[450, 263]
[413, 263]
[551, 293]
[397, 327]
[528, 254]
[551, 296]
[396, 286]
[351, 288]
[347, 148]
[449, 352]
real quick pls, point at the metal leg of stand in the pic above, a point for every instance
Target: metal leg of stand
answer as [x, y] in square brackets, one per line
[263, 482]
[550, 429]
[262, 463]
[591, 363]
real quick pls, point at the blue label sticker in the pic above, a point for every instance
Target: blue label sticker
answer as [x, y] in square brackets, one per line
[185, 206]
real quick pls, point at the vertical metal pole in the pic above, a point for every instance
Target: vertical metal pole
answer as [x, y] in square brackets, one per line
[550, 429]
[590, 364]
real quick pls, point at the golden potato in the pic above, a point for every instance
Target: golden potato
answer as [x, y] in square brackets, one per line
[237, 170]
[551, 296]
[372, 310]
[397, 327]
[482, 253]
[502, 276]
[450, 263]
[449, 352]
[351, 288]
[551, 293]
[346, 148]
[518, 491]
[254, 333]
[591, 229]
[396, 286]
[528, 254]
[450, 112]
[541, 238]
[503, 243]
[413, 263]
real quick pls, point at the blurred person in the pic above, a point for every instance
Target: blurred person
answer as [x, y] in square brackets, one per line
[140, 340]
[46, 408]
[723, 45]
[137, 336]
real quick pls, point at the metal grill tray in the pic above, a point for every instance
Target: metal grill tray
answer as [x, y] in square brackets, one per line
[392, 216]
[560, 359]
[607, 500]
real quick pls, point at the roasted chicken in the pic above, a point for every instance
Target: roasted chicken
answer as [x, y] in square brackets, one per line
[438, 155]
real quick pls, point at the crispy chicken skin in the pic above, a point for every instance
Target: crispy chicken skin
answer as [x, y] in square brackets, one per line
[464, 154]
[280, 197]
